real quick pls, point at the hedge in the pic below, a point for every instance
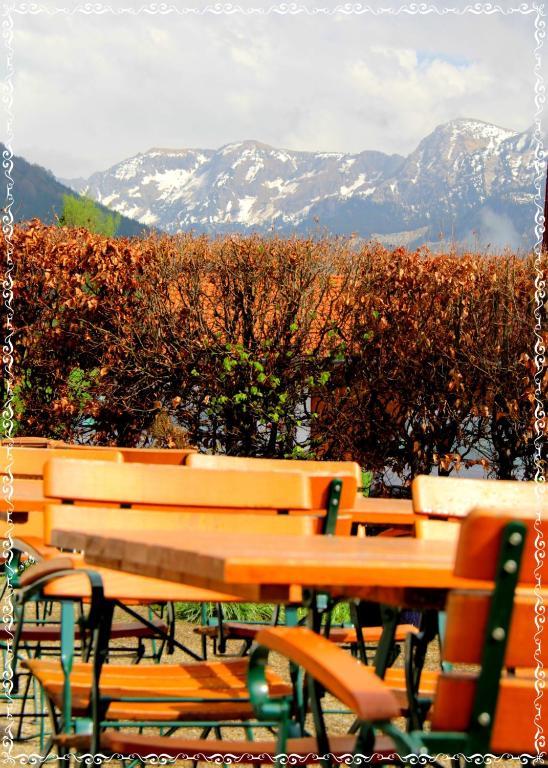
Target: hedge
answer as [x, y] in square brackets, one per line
[404, 361]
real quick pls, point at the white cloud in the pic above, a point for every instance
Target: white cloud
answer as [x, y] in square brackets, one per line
[91, 90]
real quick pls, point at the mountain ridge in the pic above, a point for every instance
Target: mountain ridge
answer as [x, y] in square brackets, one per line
[459, 179]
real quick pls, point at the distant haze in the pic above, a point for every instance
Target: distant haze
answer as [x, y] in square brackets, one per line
[93, 89]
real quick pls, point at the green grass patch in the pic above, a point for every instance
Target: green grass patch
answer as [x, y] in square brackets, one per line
[252, 612]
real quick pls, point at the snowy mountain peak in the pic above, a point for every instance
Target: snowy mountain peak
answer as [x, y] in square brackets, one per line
[477, 129]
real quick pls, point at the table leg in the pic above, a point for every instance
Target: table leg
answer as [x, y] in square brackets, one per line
[416, 649]
[390, 617]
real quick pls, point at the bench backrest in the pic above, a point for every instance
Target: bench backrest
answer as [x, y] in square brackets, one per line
[171, 497]
[30, 462]
[456, 497]
[495, 629]
[140, 455]
[220, 461]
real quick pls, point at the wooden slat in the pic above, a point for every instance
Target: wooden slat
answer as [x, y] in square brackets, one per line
[175, 456]
[434, 530]
[33, 442]
[71, 517]
[514, 727]
[219, 461]
[165, 485]
[31, 461]
[481, 537]
[467, 614]
[132, 588]
[44, 633]
[27, 496]
[245, 751]
[456, 497]
[370, 511]
[337, 635]
[124, 587]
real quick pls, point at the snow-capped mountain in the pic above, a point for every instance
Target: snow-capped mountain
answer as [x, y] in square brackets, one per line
[467, 179]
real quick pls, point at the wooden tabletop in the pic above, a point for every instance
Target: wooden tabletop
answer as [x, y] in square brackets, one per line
[272, 568]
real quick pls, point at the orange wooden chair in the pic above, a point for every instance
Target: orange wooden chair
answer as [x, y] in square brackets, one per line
[441, 504]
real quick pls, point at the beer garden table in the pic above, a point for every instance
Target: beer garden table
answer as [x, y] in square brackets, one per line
[274, 568]
[287, 569]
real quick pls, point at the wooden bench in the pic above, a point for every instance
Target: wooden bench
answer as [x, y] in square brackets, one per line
[113, 497]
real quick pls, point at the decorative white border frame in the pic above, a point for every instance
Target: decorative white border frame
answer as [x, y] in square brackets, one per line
[9, 9]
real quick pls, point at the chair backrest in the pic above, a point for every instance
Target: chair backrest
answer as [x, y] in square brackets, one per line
[101, 519]
[495, 629]
[456, 497]
[159, 493]
[220, 461]
[139, 455]
[157, 455]
[30, 462]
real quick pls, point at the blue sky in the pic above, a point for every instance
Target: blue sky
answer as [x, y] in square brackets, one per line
[102, 88]
[425, 59]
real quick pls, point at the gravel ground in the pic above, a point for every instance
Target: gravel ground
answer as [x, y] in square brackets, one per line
[21, 753]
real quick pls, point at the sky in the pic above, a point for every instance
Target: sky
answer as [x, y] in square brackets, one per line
[93, 89]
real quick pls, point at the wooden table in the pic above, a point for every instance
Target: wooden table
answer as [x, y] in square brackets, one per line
[275, 568]
[288, 569]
